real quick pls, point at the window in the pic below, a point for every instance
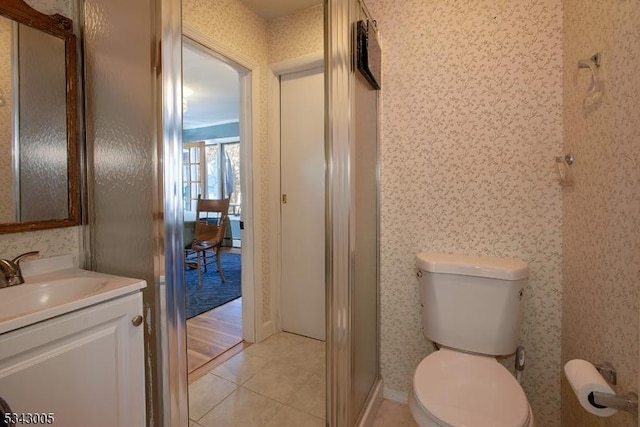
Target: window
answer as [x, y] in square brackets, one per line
[193, 178]
[212, 168]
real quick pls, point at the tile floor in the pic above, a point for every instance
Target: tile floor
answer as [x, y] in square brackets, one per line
[393, 414]
[279, 382]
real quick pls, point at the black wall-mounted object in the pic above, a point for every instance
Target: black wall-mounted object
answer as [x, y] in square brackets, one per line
[369, 54]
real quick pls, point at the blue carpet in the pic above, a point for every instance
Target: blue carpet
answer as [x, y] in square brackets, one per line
[213, 292]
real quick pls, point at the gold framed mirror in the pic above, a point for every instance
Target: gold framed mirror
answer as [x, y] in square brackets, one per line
[38, 120]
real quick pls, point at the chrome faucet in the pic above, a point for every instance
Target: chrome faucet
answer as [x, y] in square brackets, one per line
[11, 271]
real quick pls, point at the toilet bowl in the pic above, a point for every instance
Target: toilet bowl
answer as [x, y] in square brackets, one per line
[454, 389]
[472, 307]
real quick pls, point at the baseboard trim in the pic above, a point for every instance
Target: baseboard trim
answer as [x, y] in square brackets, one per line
[396, 396]
[268, 329]
[372, 405]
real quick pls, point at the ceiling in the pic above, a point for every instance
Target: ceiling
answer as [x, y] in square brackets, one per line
[216, 85]
[271, 9]
[216, 89]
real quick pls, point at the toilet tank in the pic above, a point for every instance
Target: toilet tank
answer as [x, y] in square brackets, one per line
[472, 303]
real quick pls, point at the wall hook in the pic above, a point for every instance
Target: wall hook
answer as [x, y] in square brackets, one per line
[564, 174]
[567, 158]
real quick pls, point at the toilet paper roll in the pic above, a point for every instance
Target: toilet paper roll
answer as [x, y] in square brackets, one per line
[585, 379]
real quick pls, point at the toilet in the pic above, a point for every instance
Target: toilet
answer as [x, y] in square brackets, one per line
[471, 309]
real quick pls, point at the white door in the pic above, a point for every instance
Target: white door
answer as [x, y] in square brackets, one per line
[303, 203]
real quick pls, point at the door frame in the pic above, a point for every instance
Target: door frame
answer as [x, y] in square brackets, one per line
[276, 69]
[251, 280]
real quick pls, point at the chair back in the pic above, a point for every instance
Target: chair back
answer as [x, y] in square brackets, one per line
[211, 220]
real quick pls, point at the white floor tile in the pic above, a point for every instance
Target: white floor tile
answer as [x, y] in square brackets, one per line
[241, 367]
[242, 408]
[311, 397]
[278, 381]
[205, 393]
[290, 417]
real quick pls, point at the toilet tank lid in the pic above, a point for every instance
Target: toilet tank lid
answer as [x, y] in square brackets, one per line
[479, 266]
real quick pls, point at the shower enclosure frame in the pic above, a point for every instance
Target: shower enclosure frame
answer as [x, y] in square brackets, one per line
[341, 137]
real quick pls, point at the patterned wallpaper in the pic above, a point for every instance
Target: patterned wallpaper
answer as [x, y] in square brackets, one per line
[601, 229]
[51, 7]
[231, 23]
[6, 142]
[58, 241]
[297, 34]
[471, 122]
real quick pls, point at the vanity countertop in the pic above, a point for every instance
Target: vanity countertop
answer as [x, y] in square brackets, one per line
[54, 286]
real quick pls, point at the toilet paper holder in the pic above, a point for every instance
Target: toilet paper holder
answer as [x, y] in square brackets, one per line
[608, 372]
[627, 403]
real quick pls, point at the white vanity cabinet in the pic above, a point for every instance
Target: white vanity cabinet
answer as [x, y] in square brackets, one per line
[86, 367]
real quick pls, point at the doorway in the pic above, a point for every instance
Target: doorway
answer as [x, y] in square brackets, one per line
[281, 378]
[283, 367]
[302, 213]
[212, 167]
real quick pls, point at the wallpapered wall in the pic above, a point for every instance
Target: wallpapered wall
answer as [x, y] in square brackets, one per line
[231, 23]
[601, 225]
[50, 7]
[297, 34]
[59, 241]
[472, 120]
[48, 242]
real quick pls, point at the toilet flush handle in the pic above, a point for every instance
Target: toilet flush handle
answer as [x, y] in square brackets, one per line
[520, 358]
[519, 363]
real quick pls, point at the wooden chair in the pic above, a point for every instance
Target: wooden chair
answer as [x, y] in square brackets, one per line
[210, 226]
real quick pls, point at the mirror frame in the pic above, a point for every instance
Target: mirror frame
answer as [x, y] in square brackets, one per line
[61, 27]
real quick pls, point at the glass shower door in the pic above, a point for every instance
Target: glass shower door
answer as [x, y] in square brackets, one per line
[365, 325]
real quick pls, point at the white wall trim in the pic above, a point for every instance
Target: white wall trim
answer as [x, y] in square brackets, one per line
[220, 48]
[395, 396]
[268, 328]
[273, 107]
[301, 63]
[252, 289]
[252, 270]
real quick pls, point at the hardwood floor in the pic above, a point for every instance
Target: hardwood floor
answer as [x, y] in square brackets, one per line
[212, 333]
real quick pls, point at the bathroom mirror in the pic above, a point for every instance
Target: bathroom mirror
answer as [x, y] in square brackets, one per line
[38, 120]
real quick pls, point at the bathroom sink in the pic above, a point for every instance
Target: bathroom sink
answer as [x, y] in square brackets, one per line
[29, 297]
[55, 286]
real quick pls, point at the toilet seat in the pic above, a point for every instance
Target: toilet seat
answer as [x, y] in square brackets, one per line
[455, 389]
